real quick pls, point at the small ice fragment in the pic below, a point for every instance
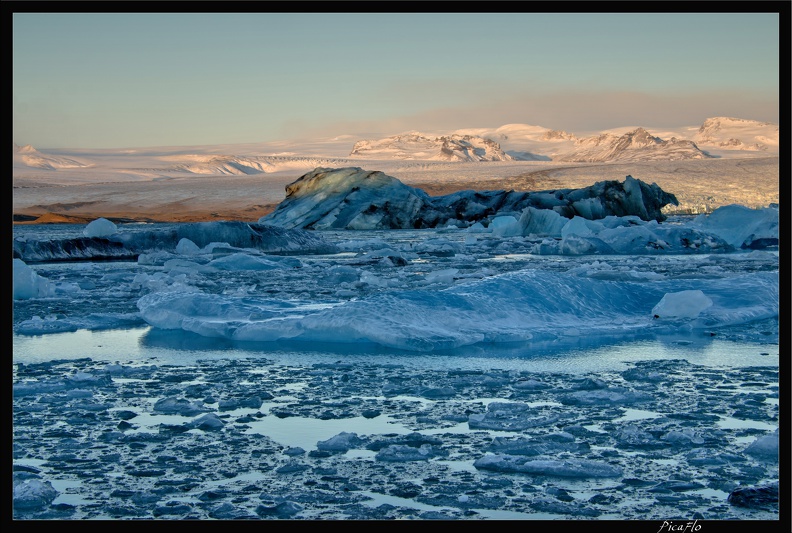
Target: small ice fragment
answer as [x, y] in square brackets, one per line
[683, 304]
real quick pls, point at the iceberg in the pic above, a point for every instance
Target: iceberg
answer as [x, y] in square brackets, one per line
[566, 468]
[683, 304]
[33, 494]
[353, 198]
[742, 227]
[101, 227]
[29, 284]
[631, 235]
[520, 306]
[180, 238]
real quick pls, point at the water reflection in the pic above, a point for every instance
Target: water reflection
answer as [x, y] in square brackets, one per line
[571, 355]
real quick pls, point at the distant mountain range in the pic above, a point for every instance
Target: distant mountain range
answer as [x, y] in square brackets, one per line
[716, 137]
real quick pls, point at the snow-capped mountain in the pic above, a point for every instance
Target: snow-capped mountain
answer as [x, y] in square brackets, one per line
[636, 145]
[531, 143]
[718, 136]
[419, 146]
[222, 165]
[29, 156]
[737, 134]
[525, 142]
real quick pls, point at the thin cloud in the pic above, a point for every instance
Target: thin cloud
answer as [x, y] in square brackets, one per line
[573, 111]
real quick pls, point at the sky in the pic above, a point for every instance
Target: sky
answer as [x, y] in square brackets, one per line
[123, 80]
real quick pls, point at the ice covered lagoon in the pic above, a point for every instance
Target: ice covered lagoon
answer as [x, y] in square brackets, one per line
[614, 415]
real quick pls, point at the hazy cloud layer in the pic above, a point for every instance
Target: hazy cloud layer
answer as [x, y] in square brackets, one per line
[573, 111]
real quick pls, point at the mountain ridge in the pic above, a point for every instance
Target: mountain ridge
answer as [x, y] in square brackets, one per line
[636, 145]
[716, 137]
[414, 145]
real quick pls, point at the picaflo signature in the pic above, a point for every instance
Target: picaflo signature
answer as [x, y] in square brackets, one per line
[679, 527]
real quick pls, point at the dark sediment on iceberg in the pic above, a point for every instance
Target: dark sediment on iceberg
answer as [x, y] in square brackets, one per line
[352, 198]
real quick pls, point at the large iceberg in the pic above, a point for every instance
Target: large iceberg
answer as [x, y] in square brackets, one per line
[353, 198]
[521, 306]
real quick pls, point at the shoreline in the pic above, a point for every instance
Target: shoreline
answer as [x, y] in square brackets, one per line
[229, 214]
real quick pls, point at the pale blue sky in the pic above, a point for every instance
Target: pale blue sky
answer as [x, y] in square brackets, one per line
[132, 80]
